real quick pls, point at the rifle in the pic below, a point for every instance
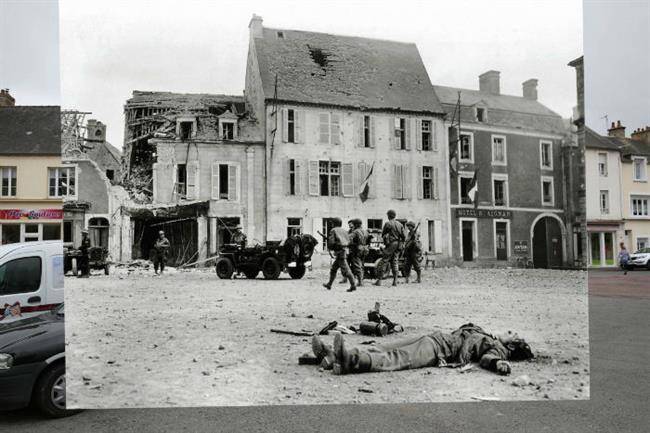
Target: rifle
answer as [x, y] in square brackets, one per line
[411, 237]
[325, 240]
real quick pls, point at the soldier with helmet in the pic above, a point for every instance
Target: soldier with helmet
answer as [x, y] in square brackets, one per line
[412, 252]
[393, 236]
[358, 249]
[338, 242]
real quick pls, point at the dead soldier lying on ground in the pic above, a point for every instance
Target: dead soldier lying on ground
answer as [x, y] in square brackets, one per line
[467, 344]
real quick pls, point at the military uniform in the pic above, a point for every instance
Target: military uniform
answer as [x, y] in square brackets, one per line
[84, 262]
[239, 238]
[160, 254]
[358, 251]
[412, 253]
[338, 242]
[393, 236]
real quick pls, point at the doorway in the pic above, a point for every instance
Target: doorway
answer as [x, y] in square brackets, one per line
[501, 240]
[467, 240]
[547, 243]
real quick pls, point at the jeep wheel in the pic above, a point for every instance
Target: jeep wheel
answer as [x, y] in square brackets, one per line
[251, 274]
[298, 272]
[224, 268]
[271, 268]
[49, 392]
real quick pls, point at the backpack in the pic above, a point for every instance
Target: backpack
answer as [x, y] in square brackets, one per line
[337, 239]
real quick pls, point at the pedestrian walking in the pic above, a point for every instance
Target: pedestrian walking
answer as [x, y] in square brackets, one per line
[623, 258]
[412, 252]
[393, 236]
[338, 242]
[161, 248]
[84, 259]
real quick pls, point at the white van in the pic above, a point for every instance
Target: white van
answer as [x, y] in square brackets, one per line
[31, 274]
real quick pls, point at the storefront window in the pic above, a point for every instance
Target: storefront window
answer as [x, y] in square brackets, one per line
[10, 233]
[594, 240]
[51, 232]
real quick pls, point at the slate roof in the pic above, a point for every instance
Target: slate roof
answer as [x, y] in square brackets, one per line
[30, 130]
[502, 110]
[626, 146]
[359, 72]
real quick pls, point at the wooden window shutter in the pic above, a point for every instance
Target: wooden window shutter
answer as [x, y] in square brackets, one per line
[324, 128]
[406, 181]
[335, 128]
[154, 179]
[313, 178]
[437, 236]
[299, 126]
[215, 181]
[373, 128]
[391, 133]
[408, 133]
[174, 195]
[418, 134]
[286, 176]
[436, 183]
[232, 183]
[373, 184]
[285, 124]
[299, 176]
[434, 135]
[348, 179]
[420, 184]
[397, 181]
[361, 175]
[359, 129]
[193, 180]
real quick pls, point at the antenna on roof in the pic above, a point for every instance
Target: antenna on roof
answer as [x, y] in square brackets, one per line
[606, 121]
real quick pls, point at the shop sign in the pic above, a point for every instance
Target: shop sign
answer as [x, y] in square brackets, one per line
[31, 214]
[483, 213]
[521, 248]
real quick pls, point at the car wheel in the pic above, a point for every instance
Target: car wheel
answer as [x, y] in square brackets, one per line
[271, 268]
[49, 392]
[224, 268]
[298, 272]
[251, 274]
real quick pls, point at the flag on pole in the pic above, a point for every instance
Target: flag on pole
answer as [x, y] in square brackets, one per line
[365, 185]
[472, 192]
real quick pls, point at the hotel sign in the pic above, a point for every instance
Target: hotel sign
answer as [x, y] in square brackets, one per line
[483, 213]
[31, 214]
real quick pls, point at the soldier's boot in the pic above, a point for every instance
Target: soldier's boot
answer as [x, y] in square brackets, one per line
[348, 361]
[378, 282]
[419, 278]
[360, 281]
[353, 285]
[407, 279]
[323, 352]
[395, 279]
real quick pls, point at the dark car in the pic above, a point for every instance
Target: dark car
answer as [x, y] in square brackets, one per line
[32, 363]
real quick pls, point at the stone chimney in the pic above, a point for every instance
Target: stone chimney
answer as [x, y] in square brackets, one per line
[617, 130]
[530, 89]
[489, 82]
[255, 26]
[6, 100]
[642, 134]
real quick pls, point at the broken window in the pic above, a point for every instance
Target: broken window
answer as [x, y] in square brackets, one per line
[181, 180]
[400, 133]
[427, 182]
[291, 126]
[294, 227]
[185, 130]
[480, 114]
[330, 178]
[227, 130]
[427, 143]
[62, 182]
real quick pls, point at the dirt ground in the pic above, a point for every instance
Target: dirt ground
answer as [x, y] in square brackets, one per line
[190, 339]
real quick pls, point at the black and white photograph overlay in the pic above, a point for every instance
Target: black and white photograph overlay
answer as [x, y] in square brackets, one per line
[290, 203]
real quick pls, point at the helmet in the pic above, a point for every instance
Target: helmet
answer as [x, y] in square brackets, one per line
[391, 213]
[410, 224]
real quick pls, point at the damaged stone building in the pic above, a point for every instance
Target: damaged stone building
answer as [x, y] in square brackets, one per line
[192, 165]
[352, 128]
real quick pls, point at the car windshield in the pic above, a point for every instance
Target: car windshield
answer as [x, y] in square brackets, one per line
[643, 251]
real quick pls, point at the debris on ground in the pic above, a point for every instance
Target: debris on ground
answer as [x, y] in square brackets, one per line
[302, 333]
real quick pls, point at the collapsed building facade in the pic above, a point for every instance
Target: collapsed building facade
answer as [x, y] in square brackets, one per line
[192, 164]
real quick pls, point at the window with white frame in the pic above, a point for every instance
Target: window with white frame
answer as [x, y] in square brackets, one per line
[642, 243]
[181, 180]
[330, 178]
[62, 182]
[481, 114]
[466, 147]
[427, 182]
[604, 202]
[546, 154]
[366, 131]
[8, 181]
[639, 206]
[640, 172]
[602, 164]
[225, 181]
[548, 194]
[465, 185]
[291, 125]
[500, 190]
[329, 128]
[427, 141]
[400, 133]
[294, 226]
[227, 129]
[499, 150]
[185, 129]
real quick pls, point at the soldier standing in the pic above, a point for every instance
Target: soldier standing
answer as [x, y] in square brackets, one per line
[338, 242]
[160, 252]
[393, 236]
[84, 265]
[238, 237]
[412, 252]
[358, 249]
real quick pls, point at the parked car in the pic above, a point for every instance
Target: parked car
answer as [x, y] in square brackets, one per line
[32, 364]
[292, 256]
[31, 276]
[640, 259]
[98, 259]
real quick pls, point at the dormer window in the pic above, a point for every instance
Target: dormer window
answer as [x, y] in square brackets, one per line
[228, 126]
[185, 128]
[280, 35]
[227, 131]
[481, 114]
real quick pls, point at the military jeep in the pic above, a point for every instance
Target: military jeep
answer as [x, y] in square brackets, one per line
[293, 256]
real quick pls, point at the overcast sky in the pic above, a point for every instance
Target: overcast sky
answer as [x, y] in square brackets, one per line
[109, 49]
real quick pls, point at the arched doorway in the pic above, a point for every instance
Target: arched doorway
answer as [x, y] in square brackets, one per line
[548, 242]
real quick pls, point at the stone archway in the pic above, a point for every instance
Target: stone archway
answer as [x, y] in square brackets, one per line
[548, 241]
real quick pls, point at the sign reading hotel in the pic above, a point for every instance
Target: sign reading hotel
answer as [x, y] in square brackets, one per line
[483, 213]
[31, 214]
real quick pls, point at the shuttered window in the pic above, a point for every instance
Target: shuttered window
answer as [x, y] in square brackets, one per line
[401, 181]
[225, 181]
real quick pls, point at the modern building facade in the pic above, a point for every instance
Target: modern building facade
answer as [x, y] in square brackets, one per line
[33, 181]
[506, 178]
[352, 128]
